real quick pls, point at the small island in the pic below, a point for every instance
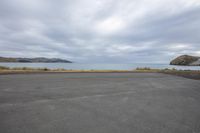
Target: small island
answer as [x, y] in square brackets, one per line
[186, 60]
[34, 60]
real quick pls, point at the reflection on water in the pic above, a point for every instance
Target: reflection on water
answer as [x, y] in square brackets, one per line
[79, 66]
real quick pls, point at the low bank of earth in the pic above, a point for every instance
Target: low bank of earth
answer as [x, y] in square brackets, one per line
[192, 74]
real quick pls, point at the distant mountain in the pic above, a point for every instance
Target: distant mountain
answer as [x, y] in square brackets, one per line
[186, 60]
[31, 60]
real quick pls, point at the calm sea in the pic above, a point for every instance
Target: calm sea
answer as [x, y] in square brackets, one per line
[80, 66]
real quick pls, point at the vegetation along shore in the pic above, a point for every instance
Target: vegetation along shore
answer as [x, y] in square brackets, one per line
[193, 74]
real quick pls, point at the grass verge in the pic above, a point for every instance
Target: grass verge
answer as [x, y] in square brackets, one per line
[193, 74]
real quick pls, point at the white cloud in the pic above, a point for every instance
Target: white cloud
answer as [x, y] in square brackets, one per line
[197, 53]
[111, 25]
[125, 49]
[178, 46]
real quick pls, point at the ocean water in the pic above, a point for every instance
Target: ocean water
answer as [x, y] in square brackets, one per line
[84, 66]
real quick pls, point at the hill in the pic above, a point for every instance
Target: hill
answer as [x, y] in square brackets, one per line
[32, 60]
[186, 60]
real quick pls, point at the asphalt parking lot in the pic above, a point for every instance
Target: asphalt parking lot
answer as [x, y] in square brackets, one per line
[99, 103]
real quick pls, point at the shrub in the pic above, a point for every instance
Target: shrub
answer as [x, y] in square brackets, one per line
[143, 68]
[4, 68]
[174, 69]
[25, 68]
[45, 69]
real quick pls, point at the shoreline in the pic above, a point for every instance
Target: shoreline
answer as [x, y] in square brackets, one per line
[191, 74]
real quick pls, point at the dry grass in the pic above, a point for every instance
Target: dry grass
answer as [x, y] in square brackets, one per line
[194, 74]
[43, 70]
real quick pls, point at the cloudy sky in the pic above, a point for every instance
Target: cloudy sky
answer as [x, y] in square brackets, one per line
[100, 31]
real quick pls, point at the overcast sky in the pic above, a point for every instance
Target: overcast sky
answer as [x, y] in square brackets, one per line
[100, 31]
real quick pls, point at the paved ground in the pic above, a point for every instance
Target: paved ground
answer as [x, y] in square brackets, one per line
[99, 103]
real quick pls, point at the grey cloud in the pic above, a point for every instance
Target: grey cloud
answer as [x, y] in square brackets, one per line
[100, 31]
